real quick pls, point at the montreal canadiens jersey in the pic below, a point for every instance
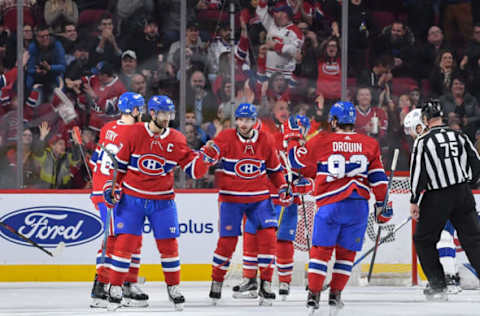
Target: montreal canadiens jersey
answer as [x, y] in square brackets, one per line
[345, 162]
[288, 39]
[100, 162]
[146, 162]
[247, 166]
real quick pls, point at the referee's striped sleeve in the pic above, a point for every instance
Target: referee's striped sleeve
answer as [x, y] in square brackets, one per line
[473, 160]
[417, 170]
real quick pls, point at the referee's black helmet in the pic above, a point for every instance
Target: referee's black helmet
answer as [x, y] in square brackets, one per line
[432, 108]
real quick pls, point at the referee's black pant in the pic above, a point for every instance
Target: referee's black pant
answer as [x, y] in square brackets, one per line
[455, 203]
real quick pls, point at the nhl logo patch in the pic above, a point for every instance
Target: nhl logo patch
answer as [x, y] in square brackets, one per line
[228, 227]
[120, 225]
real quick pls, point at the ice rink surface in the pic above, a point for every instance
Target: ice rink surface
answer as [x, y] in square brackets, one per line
[54, 299]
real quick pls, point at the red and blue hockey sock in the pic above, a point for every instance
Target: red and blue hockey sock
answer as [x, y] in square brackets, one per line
[132, 276]
[250, 263]
[125, 245]
[221, 257]
[103, 270]
[266, 241]
[168, 249]
[342, 268]
[317, 267]
[285, 260]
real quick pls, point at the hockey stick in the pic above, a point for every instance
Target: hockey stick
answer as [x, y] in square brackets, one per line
[78, 134]
[288, 166]
[377, 240]
[54, 253]
[109, 209]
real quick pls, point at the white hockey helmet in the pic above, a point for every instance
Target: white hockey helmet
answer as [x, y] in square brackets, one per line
[412, 122]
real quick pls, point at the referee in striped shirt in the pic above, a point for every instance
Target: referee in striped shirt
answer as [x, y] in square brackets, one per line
[443, 163]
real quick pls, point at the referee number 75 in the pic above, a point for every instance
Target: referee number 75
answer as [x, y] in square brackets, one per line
[450, 149]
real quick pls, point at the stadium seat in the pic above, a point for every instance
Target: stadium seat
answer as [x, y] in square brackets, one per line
[403, 85]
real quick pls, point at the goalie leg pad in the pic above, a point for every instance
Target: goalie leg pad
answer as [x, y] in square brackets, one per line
[317, 267]
[132, 276]
[266, 252]
[125, 245]
[250, 263]
[285, 260]
[168, 249]
[221, 257]
[446, 251]
[342, 268]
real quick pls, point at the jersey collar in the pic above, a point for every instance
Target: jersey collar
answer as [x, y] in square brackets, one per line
[250, 140]
[164, 135]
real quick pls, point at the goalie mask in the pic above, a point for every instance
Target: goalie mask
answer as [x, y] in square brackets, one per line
[413, 124]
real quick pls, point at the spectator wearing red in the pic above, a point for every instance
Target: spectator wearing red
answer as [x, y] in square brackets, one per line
[100, 94]
[371, 120]
[329, 85]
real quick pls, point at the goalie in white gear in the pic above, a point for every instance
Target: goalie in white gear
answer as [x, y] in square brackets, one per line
[414, 126]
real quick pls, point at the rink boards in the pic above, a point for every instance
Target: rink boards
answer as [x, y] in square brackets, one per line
[49, 218]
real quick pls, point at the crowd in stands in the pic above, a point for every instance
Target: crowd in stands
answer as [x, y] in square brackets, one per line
[80, 56]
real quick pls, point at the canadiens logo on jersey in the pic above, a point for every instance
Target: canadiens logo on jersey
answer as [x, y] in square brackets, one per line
[152, 165]
[248, 168]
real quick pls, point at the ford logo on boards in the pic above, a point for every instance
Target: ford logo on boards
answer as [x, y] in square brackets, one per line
[50, 225]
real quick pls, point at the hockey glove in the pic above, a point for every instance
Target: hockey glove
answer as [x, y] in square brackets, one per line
[210, 153]
[111, 198]
[285, 196]
[383, 215]
[303, 186]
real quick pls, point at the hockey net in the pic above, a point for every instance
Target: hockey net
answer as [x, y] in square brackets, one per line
[395, 262]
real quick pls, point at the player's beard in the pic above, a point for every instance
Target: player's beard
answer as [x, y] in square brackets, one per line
[161, 124]
[245, 132]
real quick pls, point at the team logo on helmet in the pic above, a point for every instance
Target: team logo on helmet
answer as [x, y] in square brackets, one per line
[151, 164]
[248, 168]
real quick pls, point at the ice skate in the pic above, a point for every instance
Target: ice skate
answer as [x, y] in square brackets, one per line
[452, 287]
[99, 294]
[335, 303]
[283, 290]
[246, 289]
[114, 297]
[265, 293]
[133, 296]
[313, 301]
[437, 294]
[175, 297]
[215, 291]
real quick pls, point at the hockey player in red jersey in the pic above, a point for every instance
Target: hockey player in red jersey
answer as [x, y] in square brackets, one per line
[146, 160]
[246, 157]
[348, 167]
[131, 105]
[285, 132]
